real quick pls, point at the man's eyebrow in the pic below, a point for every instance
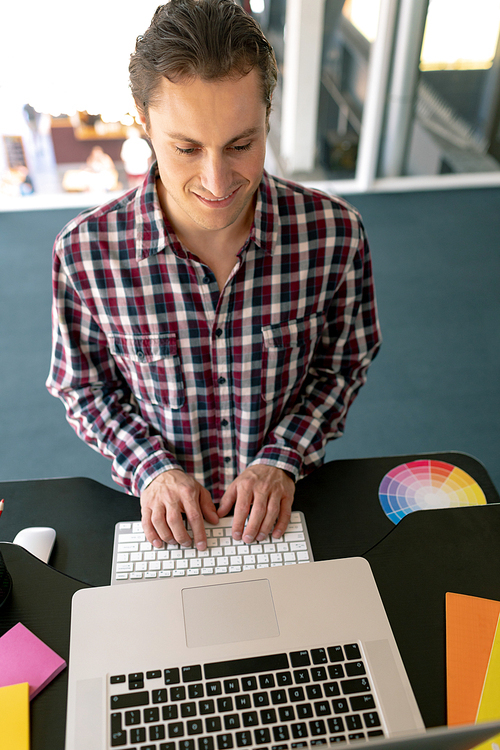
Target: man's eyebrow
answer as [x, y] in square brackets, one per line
[248, 133]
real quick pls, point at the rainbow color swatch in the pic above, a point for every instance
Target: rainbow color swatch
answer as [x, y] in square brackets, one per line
[425, 484]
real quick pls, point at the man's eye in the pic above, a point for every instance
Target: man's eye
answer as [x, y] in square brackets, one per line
[180, 150]
[242, 148]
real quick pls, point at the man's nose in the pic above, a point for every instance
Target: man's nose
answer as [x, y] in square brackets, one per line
[216, 176]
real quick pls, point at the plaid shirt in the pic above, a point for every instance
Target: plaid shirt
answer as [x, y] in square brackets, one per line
[158, 370]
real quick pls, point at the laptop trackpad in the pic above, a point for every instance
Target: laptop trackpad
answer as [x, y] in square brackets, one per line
[228, 613]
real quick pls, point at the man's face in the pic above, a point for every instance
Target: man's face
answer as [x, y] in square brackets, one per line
[210, 139]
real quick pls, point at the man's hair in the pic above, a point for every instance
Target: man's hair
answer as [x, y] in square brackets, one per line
[209, 39]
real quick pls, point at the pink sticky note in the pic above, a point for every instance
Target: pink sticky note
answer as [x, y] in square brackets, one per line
[25, 658]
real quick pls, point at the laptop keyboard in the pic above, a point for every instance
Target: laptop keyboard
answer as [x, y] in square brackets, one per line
[274, 702]
[135, 559]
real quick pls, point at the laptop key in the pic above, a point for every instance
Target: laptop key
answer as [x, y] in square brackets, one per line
[360, 685]
[243, 739]
[355, 668]
[371, 719]
[360, 702]
[118, 738]
[225, 741]
[129, 700]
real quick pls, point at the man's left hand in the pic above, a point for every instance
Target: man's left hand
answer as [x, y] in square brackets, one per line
[267, 494]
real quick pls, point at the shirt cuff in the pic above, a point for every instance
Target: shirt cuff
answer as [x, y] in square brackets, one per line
[288, 460]
[152, 467]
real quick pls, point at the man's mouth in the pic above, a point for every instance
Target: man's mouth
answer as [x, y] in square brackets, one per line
[226, 199]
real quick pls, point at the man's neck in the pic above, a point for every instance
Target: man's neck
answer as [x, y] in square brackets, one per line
[218, 249]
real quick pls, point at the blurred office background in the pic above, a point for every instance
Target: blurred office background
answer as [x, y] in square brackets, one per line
[394, 104]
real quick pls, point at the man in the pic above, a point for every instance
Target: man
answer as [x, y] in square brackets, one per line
[211, 328]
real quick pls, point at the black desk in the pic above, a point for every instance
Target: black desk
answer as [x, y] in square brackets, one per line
[414, 563]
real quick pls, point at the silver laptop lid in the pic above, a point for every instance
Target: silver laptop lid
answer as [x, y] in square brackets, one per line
[163, 625]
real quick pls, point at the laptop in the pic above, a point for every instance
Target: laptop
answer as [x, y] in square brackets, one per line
[275, 659]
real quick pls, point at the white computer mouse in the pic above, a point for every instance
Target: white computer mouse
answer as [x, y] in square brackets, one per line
[38, 540]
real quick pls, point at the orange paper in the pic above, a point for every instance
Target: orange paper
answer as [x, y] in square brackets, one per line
[471, 624]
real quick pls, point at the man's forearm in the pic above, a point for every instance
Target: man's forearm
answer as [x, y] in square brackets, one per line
[109, 424]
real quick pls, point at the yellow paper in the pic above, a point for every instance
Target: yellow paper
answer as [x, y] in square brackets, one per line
[489, 705]
[15, 717]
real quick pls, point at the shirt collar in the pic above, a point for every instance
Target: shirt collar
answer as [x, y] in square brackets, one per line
[152, 233]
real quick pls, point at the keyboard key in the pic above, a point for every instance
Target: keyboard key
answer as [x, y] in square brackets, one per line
[335, 653]
[360, 685]
[194, 727]
[340, 706]
[300, 676]
[196, 690]
[192, 673]
[371, 719]
[213, 724]
[206, 707]
[354, 722]
[268, 716]
[286, 713]
[231, 721]
[138, 734]
[250, 719]
[118, 738]
[319, 656]
[262, 736]
[317, 727]
[300, 659]
[281, 733]
[128, 700]
[336, 725]
[246, 666]
[172, 676]
[159, 696]
[360, 702]
[242, 701]
[156, 732]
[151, 715]
[231, 686]
[249, 683]
[188, 709]
[352, 651]
[225, 742]
[299, 730]
[176, 730]
[169, 712]
[178, 693]
[304, 711]
[355, 668]
[266, 681]
[243, 739]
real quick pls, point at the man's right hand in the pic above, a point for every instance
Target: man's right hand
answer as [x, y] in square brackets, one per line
[165, 499]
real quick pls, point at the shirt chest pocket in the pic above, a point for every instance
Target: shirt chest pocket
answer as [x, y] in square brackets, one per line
[288, 350]
[152, 367]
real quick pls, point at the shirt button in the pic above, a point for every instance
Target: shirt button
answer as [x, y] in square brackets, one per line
[221, 381]
[218, 332]
[227, 459]
[140, 355]
[207, 279]
[224, 423]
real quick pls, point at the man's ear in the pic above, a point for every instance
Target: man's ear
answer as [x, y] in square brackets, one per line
[144, 121]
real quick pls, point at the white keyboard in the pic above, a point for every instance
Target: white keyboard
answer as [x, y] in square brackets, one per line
[135, 559]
